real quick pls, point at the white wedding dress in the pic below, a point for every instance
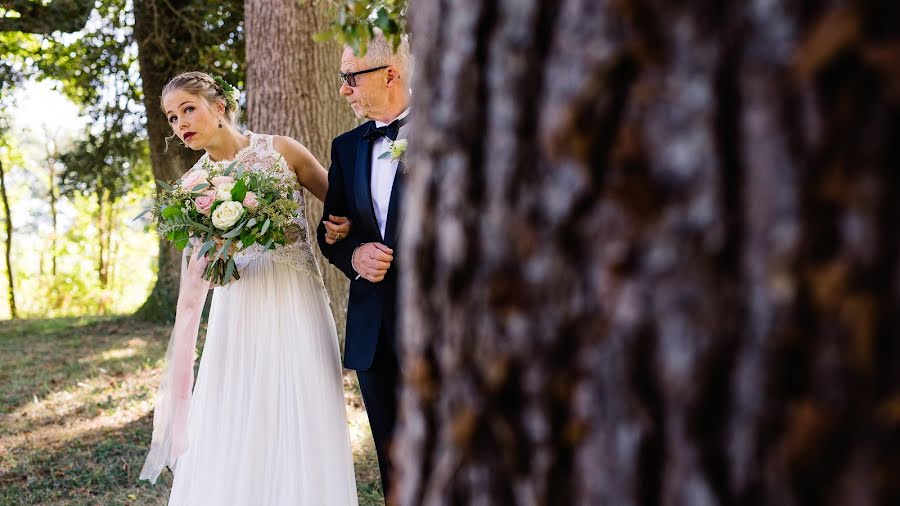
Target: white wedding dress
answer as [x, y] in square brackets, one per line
[267, 423]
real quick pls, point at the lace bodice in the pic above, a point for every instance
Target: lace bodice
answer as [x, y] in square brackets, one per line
[261, 156]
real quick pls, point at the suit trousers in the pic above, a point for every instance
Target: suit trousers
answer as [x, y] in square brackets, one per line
[379, 386]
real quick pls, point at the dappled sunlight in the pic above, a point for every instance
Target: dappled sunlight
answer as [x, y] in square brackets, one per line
[360, 432]
[53, 367]
[133, 346]
[365, 461]
[102, 402]
[77, 408]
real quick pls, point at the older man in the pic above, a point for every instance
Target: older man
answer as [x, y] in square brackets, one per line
[366, 186]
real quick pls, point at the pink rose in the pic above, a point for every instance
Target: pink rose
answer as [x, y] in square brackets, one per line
[250, 201]
[220, 180]
[192, 179]
[204, 202]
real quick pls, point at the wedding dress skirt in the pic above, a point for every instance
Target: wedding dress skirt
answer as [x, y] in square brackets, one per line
[268, 425]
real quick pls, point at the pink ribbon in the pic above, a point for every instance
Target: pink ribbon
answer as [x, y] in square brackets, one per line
[173, 398]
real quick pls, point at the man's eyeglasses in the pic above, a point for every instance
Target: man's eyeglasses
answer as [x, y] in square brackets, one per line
[350, 78]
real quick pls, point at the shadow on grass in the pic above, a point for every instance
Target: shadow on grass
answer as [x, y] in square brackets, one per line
[100, 467]
[39, 357]
[75, 421]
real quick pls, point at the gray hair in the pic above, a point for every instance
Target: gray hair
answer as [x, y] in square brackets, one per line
[380, 52]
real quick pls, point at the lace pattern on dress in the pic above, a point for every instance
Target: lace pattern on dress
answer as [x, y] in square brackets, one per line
[260, 156]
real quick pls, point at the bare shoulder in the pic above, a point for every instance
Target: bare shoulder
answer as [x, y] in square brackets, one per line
[287, 145]
[293, 152]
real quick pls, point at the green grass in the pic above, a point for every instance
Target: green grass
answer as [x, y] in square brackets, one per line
[75, 414]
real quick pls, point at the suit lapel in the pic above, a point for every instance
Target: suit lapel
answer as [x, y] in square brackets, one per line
[392, 228]
[363, 188]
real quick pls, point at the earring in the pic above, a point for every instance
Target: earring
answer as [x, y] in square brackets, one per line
[220, 123]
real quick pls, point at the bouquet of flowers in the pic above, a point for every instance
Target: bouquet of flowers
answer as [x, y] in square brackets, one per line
[225, 211]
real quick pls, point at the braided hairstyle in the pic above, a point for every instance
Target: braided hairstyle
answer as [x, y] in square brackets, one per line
[206, 86]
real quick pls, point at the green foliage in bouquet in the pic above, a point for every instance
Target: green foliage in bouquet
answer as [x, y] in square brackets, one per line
[222, 212]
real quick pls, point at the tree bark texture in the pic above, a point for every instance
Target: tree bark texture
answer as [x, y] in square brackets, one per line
[162, 31]
[293, 90]
[650, 254]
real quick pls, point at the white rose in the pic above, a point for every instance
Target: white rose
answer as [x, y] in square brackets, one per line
[223, 191]
[227, 214]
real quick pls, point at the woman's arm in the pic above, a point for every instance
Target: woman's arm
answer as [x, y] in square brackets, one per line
[309, 171]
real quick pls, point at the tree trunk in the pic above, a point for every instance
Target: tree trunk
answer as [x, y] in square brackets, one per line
[292, 90]
[53, 214]
[101, 238]
[158, 28]
[11, 295]
[650, 254]
[112, 246]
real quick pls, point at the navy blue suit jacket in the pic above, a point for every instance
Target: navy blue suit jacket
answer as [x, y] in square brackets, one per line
[371, 306]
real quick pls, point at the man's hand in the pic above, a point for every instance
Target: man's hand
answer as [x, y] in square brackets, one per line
[336, 228]
[372, 261]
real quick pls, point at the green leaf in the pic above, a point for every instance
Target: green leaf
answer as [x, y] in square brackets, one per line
[383, 20]
[228, 270]
[229, 168]
[248, 238]
[239, 191]
[265, 226]
[268, 244]
[171, 212]
[208, 245]
[251, 222]
[145, 211]
[233, 232]
[384, 155]
[181, 238]
[164, 185]
[199, 225]
[201, 186]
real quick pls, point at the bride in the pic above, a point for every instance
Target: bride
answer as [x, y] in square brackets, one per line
[267, 423]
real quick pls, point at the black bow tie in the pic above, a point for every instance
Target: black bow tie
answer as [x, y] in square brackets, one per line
[389, 131]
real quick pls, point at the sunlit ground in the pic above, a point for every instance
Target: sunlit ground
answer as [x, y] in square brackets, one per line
[76, 400]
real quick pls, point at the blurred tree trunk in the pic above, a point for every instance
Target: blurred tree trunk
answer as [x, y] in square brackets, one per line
[102, 233]
[52, 193]
[51, 151]
[159, 25]
[650, 254]
[11, 294]
[293, 91]
[112, 245]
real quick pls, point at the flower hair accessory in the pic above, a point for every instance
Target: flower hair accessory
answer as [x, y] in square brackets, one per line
[230, 92]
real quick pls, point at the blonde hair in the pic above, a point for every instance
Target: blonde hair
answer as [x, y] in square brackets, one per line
[203, 85]
[380, 52]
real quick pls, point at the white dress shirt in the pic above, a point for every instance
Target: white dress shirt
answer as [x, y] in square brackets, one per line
[383, 173]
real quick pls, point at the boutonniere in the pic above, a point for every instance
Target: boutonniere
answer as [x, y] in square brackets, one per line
[396, 149]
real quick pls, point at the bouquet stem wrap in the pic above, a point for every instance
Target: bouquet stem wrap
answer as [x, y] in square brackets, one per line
[173, 399]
